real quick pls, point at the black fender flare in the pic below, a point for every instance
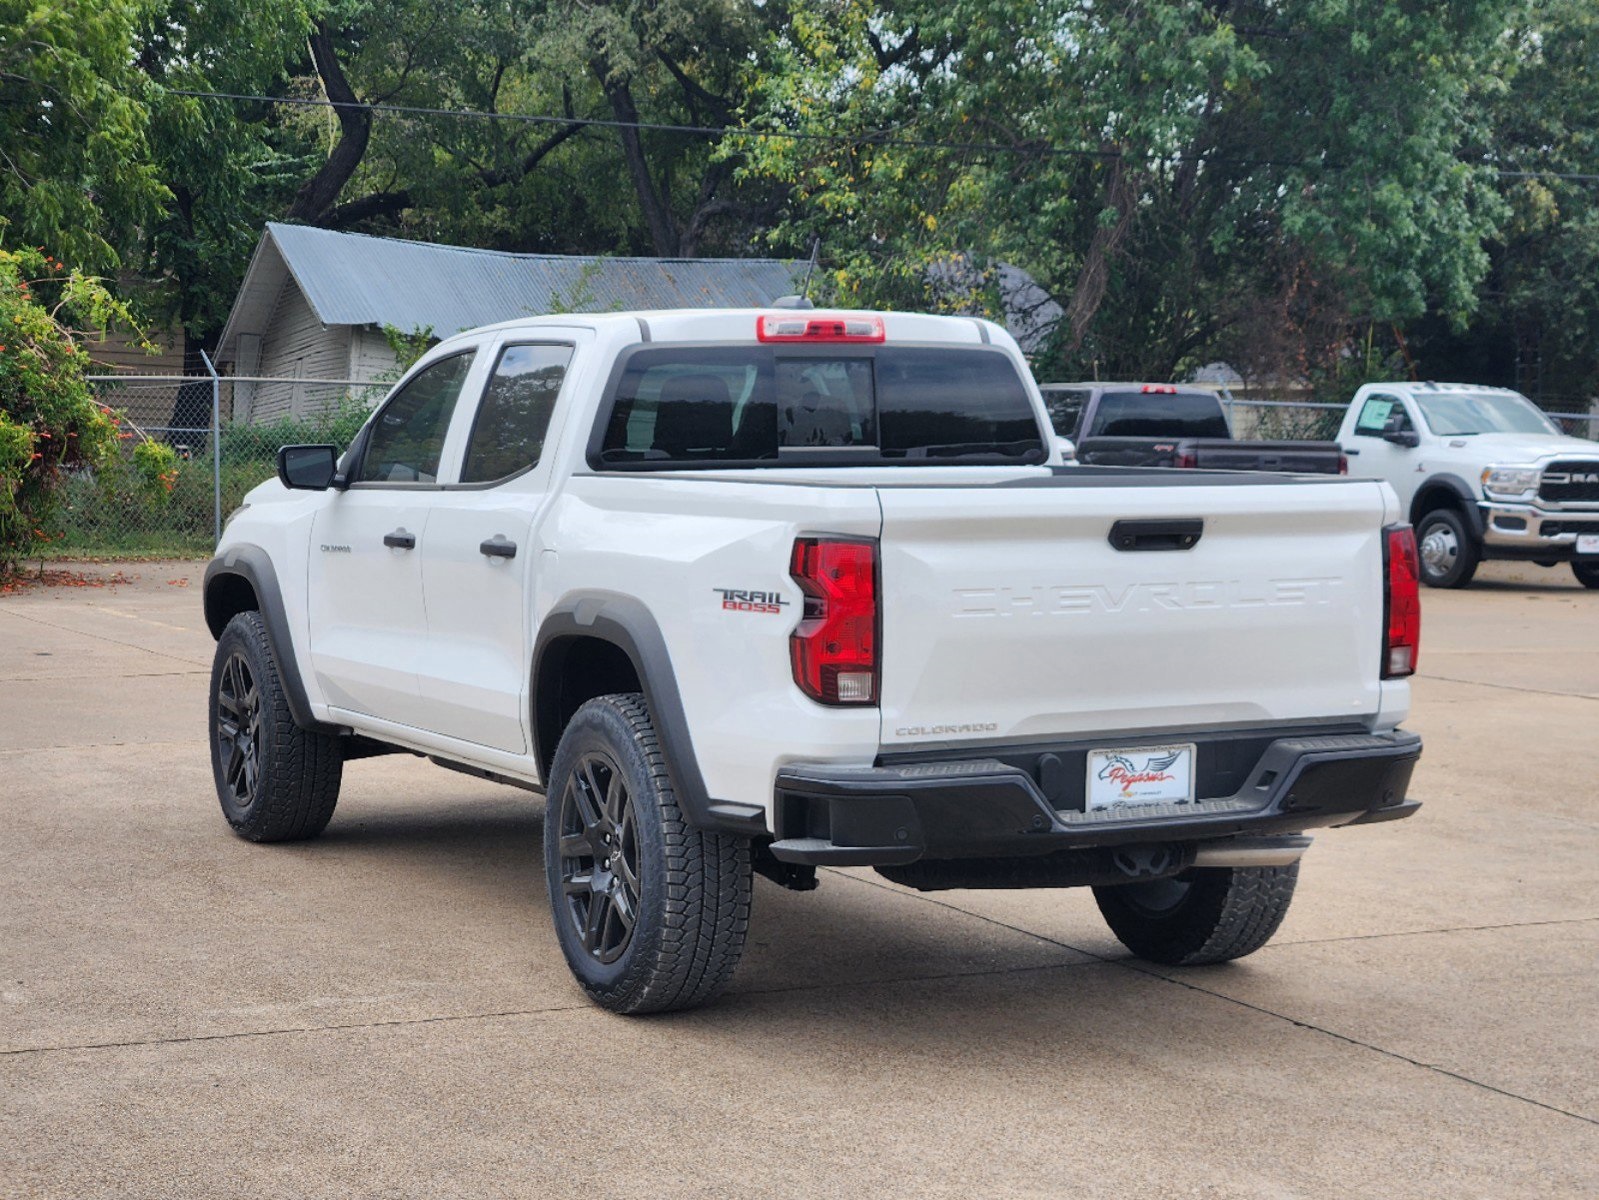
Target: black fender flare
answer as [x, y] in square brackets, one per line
[1465, 497]
[627, 624]
[254, 565]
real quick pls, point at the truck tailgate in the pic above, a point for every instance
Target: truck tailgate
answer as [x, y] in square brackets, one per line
[1009, 614]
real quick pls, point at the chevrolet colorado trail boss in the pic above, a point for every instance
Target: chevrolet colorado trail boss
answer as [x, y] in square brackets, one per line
[770, 591]
[1166, 425]
[1482, 474]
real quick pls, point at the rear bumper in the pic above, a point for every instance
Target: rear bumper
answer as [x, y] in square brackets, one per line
[985, 808]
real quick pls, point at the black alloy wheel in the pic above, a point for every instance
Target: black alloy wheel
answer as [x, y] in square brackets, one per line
[275, 781]
[650, 912]
[599, 855]
[238, 730]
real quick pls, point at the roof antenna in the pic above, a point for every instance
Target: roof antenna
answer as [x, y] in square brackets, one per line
[803, 299]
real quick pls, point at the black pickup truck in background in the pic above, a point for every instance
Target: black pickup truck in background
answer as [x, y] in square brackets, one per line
[1166, 425]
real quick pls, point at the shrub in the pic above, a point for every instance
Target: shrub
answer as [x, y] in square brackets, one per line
[50, 424]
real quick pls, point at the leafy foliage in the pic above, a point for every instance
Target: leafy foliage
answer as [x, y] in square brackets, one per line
[1308, 190]
[50, 424]
[78, 174]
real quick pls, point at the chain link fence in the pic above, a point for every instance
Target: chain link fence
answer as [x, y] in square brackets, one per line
[158, 504]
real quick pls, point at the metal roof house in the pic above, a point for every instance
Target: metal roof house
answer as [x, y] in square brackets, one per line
[314, 302]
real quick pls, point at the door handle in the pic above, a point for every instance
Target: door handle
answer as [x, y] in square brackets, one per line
[1156, 535]
[1351, 450]
[498, 546]
[400, 540]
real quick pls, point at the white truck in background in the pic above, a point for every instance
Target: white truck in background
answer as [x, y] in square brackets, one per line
[1482, 474]
[767, 591]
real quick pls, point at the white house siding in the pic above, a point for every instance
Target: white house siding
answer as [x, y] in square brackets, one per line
[296, 345]
[372, 358]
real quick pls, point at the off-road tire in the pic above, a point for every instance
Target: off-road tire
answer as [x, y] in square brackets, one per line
[1587, 573]
[1207, 915]
[285, 783]
[1450, 527]
[692, 887]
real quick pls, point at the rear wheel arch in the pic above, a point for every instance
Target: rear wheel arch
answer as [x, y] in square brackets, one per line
[601, 630]
[573, 669]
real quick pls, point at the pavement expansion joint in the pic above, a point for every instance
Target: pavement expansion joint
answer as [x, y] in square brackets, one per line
[1278, 944]
[1131, 964]
[188, 743]
[100, 637]
[1508, 687]
[238, 1034]
[102, 675]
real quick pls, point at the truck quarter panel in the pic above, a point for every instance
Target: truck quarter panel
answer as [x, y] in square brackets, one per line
[709, 561]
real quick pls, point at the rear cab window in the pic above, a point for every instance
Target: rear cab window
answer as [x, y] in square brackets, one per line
[1159, 414]
[772, 406]
[1065, 407]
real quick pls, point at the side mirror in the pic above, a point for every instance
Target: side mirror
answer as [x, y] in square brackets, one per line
[1067, 448]
[311, 468]
[1399, 436]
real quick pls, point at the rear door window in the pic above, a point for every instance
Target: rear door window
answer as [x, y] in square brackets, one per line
[514, 414]
[762, 405]
[1159, 414]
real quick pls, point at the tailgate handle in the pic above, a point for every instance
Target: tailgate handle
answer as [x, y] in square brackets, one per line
[1157, 535]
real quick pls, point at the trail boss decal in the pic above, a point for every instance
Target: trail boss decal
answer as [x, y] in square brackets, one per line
[739, 600]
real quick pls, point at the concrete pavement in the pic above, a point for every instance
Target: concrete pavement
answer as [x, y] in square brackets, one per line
[385, 1012]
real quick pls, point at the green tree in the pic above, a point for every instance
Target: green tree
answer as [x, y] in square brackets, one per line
[76, 172]
[1539, 326]
[1183, 179]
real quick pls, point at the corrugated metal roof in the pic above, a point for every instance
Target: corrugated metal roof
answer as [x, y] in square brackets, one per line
[354, 279]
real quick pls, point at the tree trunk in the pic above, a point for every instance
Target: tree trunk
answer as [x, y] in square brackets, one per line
[319, 193]
[663, 230]
[1121, 194]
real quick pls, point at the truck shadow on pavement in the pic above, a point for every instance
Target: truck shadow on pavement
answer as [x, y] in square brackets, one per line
[487, 855]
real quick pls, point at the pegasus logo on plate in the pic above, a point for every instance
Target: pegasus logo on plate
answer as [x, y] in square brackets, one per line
[1043, 599]
[1121, 770]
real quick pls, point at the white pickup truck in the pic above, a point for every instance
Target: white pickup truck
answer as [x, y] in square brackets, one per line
[770, 591]
[1482, 475]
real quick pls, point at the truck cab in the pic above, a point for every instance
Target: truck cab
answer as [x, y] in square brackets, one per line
[1482, 473]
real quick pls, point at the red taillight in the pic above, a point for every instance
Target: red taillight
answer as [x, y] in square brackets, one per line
[1402, 603]
[1186, 460]
[1163, 389]
[801, 327]
[834, 648]
[1343, 464]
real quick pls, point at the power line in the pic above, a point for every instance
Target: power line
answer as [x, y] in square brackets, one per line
[651, 126]
[882, 139]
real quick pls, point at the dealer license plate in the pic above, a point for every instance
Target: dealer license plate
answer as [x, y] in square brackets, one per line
[1146, 775]
[1588, 543]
